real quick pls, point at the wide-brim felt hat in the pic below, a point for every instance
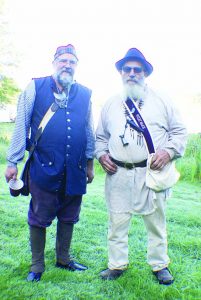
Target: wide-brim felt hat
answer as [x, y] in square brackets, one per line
[135, 54]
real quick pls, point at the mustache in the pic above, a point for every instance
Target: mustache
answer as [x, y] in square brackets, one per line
[66, 70]
[134, 79]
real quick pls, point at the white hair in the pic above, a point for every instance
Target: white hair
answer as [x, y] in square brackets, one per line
[136, 91]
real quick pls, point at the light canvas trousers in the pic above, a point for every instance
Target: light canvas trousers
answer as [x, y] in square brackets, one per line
[155, 224]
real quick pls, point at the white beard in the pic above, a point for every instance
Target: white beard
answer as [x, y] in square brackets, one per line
[136, 91]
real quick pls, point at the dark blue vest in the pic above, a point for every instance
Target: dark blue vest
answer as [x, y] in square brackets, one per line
[60, 151]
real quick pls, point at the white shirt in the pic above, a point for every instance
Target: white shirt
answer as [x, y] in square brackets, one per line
[126, 190]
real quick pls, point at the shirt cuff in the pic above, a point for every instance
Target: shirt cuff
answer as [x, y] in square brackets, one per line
[11, 164]
[170, 152]
[99, 154]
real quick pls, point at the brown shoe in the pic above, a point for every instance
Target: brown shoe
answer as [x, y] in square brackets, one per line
[108, 274]
[164, 277]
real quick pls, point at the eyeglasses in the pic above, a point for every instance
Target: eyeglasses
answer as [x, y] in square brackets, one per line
[128, 69]
[65, 61]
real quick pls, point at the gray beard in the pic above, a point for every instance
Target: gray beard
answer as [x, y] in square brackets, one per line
[136, 91]
[64, 79]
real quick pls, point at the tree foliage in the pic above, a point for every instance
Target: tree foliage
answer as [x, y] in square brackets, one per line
[8, 90]
[8, 59]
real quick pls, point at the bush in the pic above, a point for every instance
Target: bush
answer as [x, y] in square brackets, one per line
[6, 130]
[8, 90]
[189, 166]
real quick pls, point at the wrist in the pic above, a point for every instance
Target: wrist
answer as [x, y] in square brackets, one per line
[11, 164]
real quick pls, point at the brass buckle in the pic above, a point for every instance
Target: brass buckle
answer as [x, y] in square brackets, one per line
[128, 166]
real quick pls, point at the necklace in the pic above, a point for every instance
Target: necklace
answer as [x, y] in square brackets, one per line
[134, 128]
[61, 99]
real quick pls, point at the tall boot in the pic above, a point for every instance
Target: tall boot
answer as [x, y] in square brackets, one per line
[63, 242]
[37, 241]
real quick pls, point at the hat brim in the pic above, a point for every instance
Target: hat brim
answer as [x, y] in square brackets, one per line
[147, 66]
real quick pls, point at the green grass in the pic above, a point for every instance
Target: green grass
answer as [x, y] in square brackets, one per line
[90, 247]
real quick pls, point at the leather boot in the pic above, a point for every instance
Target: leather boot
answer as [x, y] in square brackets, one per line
[63, 242]
[108, 274]
[37, 241]
[164, 276]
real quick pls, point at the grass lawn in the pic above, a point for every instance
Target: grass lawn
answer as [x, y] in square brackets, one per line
[90, 247]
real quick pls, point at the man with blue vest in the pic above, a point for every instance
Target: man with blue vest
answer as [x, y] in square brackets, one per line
[62, 161]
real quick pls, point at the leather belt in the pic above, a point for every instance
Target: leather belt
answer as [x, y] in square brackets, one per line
[129, 166]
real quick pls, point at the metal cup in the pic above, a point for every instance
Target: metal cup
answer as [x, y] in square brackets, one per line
[15, 187]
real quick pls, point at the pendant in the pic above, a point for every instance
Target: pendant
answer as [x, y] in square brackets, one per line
[140, 139]
[54, 107]
[60, 97]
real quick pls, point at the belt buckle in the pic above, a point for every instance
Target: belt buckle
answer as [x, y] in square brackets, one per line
[128, 166]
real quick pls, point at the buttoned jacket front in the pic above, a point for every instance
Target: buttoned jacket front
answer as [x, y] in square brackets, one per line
[61, 148]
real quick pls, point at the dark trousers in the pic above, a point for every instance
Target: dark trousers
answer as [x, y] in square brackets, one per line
[46, 206]
[43, 209]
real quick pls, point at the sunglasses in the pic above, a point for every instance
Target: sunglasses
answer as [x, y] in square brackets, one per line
[127, 69]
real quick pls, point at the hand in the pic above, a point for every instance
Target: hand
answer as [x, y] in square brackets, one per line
[160, 159]
[107, 164]
[90, 171]
[11, 173]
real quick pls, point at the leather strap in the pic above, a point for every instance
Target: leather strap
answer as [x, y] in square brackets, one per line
[49, 114]
[136, 117]
[129, 166]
